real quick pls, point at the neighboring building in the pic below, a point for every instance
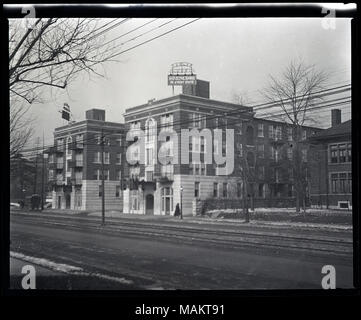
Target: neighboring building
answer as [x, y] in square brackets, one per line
[75, 163]
[265, 145]
[26, 176]
[331, 183]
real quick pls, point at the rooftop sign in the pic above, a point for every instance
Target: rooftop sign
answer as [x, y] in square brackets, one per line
[181, 73]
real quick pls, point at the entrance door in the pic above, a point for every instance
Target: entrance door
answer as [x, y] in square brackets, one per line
[59, 202]
[149, 204]
[67, 201]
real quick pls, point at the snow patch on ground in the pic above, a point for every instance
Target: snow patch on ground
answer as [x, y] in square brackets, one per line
[66, 268]
[46, 263]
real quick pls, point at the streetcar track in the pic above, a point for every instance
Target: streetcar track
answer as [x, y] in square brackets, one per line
[192, 235]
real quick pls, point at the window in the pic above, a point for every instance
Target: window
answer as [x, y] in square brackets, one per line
[277, 175]
[119, 142]
[151, 130]
[304, 134]
[135, 125]
[149, 156]
[260, 150]
[167, 200]
[119, 175]
[51, 175]
[289, 134]
[278, 133]
[341, 182]
[117, 191]
[215, 190]
[134, 172]
[239, 128]
[51, 158]
[304, 155]
[349, 155]
[225, 185]
[198, 120]
[149, 175]
[166, 122]
[340, 153]
[98, 174]
[271, 132]
[289, 153]
[261, 172]
[272, 152]
[262, 190]
[60, 144]
[203, 147]
[106, 157]
[250, 136]
[250, 159]
[119, 158]
[240, 149]
[134, 200]
[277, 154]
[334, 153]
[69, 141]
[260, 130]
[239, 190]
[167, 171]
[97, 157]
[198, 169]
[196, 189]
[100, 190]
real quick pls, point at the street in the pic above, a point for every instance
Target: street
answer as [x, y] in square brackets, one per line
[173, 254]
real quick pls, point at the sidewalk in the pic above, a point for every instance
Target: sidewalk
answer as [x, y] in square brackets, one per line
[208, 220]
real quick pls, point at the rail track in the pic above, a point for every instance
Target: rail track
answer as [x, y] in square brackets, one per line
[171, 231]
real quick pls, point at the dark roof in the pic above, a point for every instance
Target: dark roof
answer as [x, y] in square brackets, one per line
[339, 130]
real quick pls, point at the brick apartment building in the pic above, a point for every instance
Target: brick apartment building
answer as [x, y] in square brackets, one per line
[75, 163]
[266, 147]
[331, 175]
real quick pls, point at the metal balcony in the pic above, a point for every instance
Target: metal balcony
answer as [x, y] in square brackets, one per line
[76, 146]
[166, 178]
[75, 164]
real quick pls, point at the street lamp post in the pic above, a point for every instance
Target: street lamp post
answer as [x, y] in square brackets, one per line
[181, 206]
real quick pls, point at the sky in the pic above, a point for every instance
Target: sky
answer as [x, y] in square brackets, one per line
[237, 56]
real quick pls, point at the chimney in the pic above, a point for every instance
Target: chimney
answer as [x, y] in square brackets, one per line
[95, 114]
[335, 117]
[201, 89]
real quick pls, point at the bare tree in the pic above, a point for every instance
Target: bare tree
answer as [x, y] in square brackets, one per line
[21, 127]
[49, 54]
[294, 92]
[52, 52]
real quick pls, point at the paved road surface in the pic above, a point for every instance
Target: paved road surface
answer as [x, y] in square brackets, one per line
[152, 261]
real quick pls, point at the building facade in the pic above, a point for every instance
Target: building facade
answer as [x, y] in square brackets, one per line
[75, 163]
[262, 157]
[331, 183]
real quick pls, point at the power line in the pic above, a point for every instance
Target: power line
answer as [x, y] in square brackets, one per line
[112, 56]
[311, 107]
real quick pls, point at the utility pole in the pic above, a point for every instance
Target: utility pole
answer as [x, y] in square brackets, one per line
[42, 177]
[103, 189]
[181, 202]
[36, 165]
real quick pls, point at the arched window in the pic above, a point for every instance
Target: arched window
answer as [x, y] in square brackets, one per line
[150, 130]
[250, 136]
